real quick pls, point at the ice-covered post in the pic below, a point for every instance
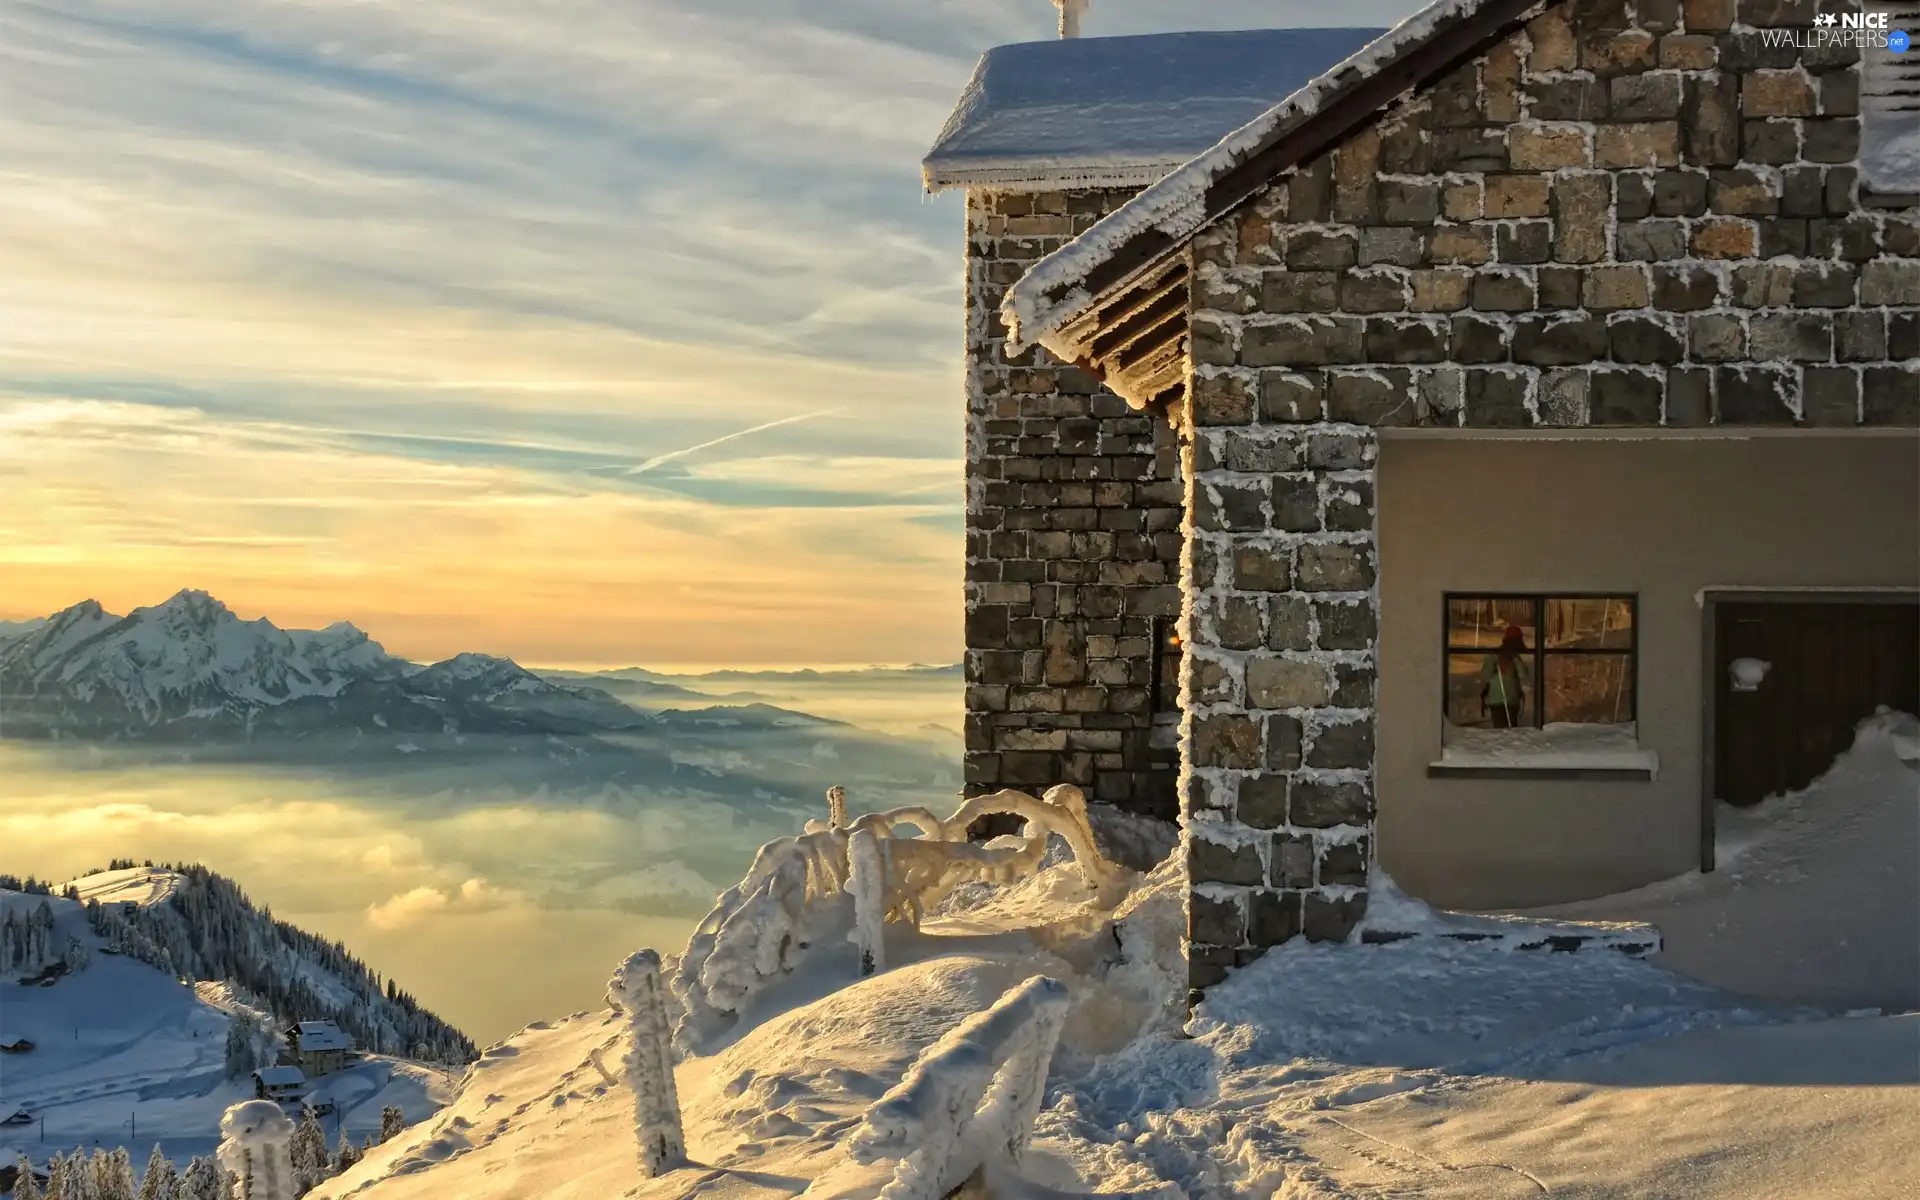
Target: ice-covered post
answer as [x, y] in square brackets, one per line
[1070, 13]
[254, 1149]
[656, 1102]
[836, 807]
[867, 880]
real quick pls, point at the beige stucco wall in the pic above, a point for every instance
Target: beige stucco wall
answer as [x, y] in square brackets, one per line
[1661, 517]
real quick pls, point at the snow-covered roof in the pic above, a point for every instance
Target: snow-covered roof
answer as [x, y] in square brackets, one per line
[321, 1035]
[1063, 286]
[281, 1076]
[1119, 111]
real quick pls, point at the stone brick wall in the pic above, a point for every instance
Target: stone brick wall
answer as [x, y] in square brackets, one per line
[1073, 544]
[1625, 214]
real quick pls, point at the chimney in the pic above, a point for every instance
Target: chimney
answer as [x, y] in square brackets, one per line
[1070, 13]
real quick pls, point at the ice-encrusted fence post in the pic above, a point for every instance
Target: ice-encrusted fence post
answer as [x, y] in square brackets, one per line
[836, 807]
[867, 880]
[970, 1098]
[636, 990]
[254, 1150]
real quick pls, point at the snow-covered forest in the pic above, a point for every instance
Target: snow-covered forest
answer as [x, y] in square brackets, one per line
[207, 929]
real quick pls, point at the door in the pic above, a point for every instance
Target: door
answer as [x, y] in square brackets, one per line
[1795, 677]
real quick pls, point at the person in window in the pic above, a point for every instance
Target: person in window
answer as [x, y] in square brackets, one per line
[1503, 680]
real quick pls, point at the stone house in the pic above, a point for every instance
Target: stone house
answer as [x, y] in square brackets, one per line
[1593, 322]
[318, 1047]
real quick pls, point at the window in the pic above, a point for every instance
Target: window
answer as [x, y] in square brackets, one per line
[1890, 100]
[1574, 663]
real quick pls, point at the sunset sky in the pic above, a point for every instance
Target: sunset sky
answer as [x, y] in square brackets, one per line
[582, 331]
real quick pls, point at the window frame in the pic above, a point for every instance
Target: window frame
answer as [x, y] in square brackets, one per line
[1881, 114]
[1538, 652]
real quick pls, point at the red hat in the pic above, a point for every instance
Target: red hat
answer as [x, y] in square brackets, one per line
[1513, 631]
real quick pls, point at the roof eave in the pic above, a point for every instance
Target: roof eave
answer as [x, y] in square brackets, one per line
[1016, 177]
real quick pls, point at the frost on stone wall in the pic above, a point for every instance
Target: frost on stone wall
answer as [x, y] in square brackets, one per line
[254, 1150]
[970, 1098]
[637, 991]
[797, 893]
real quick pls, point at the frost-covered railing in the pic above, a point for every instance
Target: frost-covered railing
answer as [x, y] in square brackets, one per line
[970, 1098]
[796, 892]
[636, 990]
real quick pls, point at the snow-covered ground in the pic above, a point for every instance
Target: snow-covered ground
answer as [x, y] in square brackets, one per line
[1426, 1067]
[1815, 896]
[126, 1055]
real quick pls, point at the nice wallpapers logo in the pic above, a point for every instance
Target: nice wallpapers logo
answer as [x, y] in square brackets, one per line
[1845, 28]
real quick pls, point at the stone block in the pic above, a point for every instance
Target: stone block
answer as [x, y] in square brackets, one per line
[1680, 193]
[1619, 53]
[1891, 282]
[1725, 237]
[1786, 93]
[1717, 337]
[1289, 624]
[1392, 246]
[1755, 395]
[1860, 336]
[1646, 97]
[1462, 200]
[1781, 236]
[1404, 341]
[1408, 202]
[1263, 801]
[1345, 863]
[1791, 336]
[1525, 242]
[1335, 567]
[1373, 292]
[1276, 917]
[1330, 920]
[1215, 922]
[1890, 396]
[1688, 52]
[1497, 399]
[1554, 45]
[1774, 141]
[1476, 340]
[1517, 195]
[1611, 288]
[1563, 398]
[1580, 209]
[1235, 621]
[1283, 742]
[1262, 569]
[1303, 341]
[1710, 117]
[1625, 397]
[1468, 150]
[1342, 745]
[1709, 16]
[1320, 805]
[1291, 860]
[1469, 245]
[1287, 683]
[1299, 291]
[1833, 285]
[1548, 147]
[1831, 140]
[1290, 397]
[1502, 292]
[1651, 241]
[1226, 740]
[1633, 196]
[1567, 98]
[1637, 339]
[1638, 144]
[1689, 397]
[1744, 192]
[1559, 341]
[1830, 397]
[1320, 249]
[1372, 398]
[1296, 503]
[1345, 624]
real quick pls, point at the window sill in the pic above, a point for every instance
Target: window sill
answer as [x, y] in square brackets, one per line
[1522, 770]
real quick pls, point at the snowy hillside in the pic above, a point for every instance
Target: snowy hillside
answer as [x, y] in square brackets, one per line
[124, 1054]
[192, 923]
[1427, 1066]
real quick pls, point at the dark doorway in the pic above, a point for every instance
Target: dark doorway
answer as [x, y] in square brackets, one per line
[1828, 665]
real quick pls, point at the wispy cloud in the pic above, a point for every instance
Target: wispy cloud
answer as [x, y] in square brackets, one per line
[377, 305]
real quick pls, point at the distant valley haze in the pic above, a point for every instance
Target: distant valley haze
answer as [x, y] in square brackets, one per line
[504, 833]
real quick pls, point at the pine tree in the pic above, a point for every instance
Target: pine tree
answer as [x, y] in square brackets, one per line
[392, 1121]
[113, 1174]
[347, 1155]
[311, 1163]
[56, 1178]
[160, 1182]
[204, 1180]
[26, 1187]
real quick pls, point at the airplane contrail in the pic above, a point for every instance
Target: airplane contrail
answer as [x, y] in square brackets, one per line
[670, 455]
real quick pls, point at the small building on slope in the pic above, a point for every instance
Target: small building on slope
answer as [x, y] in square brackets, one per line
[318, 1047]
